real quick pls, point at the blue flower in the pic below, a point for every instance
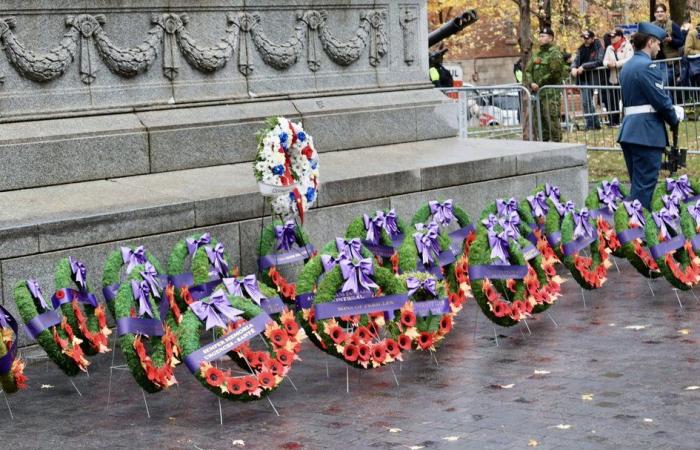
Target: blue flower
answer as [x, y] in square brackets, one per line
[291, 197]
[314, 164]
[301, 136]
[310, 194]
[278, 170]
[283, 140]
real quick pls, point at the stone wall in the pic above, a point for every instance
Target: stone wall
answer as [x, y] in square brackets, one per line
[488, 71]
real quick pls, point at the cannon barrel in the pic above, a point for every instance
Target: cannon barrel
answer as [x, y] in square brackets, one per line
[452, 26]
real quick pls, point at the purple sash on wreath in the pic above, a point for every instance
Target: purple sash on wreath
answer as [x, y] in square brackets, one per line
[8, 358]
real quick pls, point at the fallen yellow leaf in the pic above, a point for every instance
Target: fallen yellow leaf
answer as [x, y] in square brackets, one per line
[635, 327]
[542, 372]
[563, 426]
[532, 443]
[692, 388]
[587, 397]
[395, 430]
[684, 331]
[451, 438]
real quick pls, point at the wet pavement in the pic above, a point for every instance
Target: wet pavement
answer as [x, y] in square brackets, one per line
[621, 372]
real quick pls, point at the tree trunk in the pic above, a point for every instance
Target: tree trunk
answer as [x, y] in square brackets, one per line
[678, 10]
[652, 8]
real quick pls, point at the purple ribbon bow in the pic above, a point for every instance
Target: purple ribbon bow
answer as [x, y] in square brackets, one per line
[351, 249]
[680, 187]
[357, 275]
[249, 283]
[79, 272]
[133, 258]
[427, 244]
[563, 209]
[504, 208]
[141, 293]
[609, 195]
[329, 261]
[552, 192]
[538, 204]
[390, 223]
[216, 312]
[490, 221]
[672, 203]
[428, 286]
[635, 211]
[442, 212]
[498, 242]
[216, 258]
[150, 276]
[664, 219]
[583, 226]
[193, 244]
[285, 235]
[374, 226]
[510, 222]
[694, 211]
[35, 290]
[613, 187]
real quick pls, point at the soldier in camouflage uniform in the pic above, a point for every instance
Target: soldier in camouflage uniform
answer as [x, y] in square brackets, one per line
[546, 67]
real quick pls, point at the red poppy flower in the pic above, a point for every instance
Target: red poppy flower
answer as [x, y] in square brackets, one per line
[364, 352]
[528, 307]
[279, 337]
[408, 319]
[404, 342]
[338, 335]
[285, 357]
[363, 334]
[275, 276]
[291, 327]
[445, 324]
[251, 383]
[263, 358]
[425, 340]
[499, 309]
[214, 376]
[392, 347]
[252, 358]
[235, 386]
[151, 372]
[350, 353]
[266, 380]
[60, 294]
[274, 366]
[290, 290]
[379, 353]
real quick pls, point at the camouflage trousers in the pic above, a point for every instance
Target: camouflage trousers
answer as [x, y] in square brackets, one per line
[550, 118]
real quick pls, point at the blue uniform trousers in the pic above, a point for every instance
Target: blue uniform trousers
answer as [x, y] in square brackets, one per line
[643, 165]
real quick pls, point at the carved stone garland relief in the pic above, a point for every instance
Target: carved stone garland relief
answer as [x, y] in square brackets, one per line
[169, 36]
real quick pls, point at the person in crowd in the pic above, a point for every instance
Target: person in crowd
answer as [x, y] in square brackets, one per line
[646, 106]
[672, 44]
[439, 75]
[518, 71]
[616, 55]
[546, 66]
[589, 57]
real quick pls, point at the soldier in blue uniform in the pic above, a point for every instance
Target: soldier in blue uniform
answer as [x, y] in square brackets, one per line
[646, 107]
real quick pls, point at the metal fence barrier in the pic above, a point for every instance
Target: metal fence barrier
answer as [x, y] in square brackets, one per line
[495, 112]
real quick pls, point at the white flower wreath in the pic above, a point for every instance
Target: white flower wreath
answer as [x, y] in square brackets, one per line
[286, 167]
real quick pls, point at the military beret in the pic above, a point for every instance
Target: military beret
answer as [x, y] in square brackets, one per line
[651, 30]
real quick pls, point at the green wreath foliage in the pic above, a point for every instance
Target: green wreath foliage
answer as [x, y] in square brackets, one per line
[594, 278]
[268, 243]
[593, 203]
[423, 215]
[628, 249]
[660, 191]
[29, 308]
[112, 272]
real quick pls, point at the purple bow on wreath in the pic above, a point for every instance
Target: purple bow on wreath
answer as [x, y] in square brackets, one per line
[680, 187]
[249, 283]
[490, 221]
[504, 208]
[427, 243]
[552, 192]
[672, 203]
[79, 272]
[193, 244]
[429, 286]
[694, 211]
[609, 194]
[582, 224]
[664, 219]
[351, 249]
[285, 235]
[150, 276]
[510, 222]
[567, 208]
[329, 261]
[357, 275]
[498, 243]
[374, 226]
[216, 259]
[35, 290]
[635, 211]
[216, 311]
[441, 212]
[390, 224]
[141, 293]
[538, 204]
[133, 258]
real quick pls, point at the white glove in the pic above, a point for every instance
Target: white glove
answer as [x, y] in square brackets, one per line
[680, 113]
